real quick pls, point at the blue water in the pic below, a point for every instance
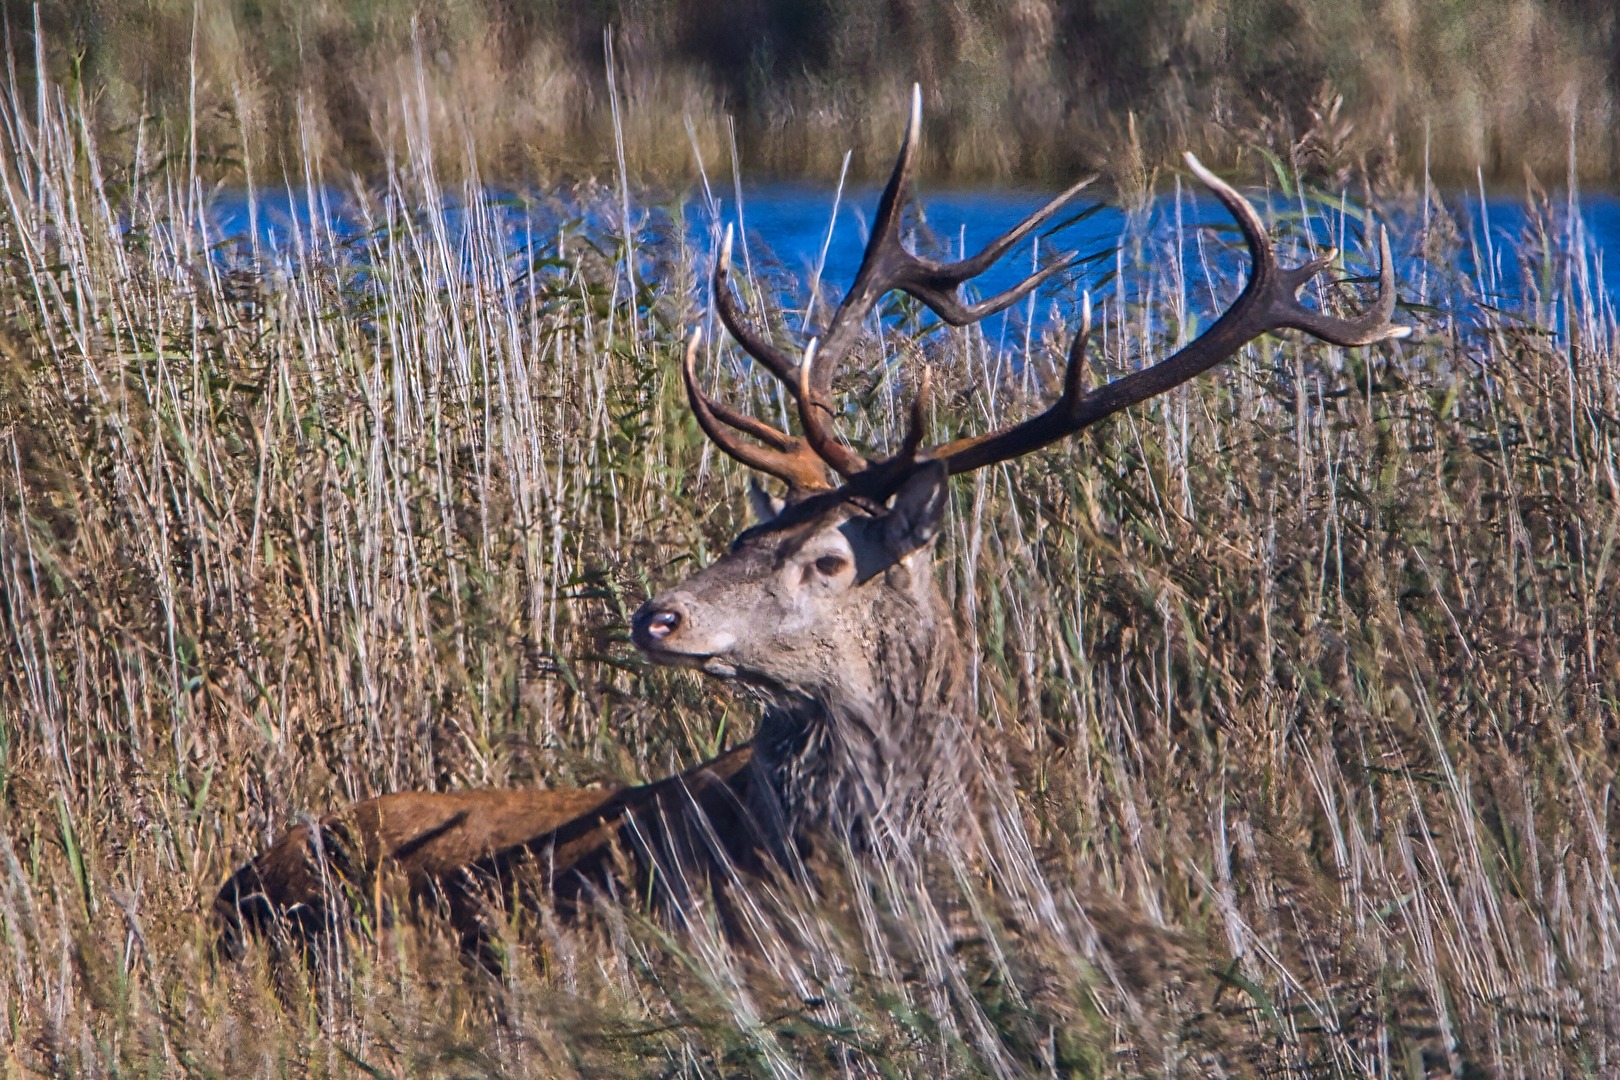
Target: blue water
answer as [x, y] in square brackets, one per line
[788, 243]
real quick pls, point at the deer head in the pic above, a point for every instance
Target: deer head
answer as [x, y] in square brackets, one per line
[829, 606]
[788, 607]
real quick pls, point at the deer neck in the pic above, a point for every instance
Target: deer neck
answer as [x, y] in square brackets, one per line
[889, 756]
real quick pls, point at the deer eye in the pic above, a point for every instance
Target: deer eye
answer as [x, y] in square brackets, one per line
[831, 565]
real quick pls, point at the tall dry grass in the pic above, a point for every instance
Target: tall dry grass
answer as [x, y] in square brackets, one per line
[1029, 89]
[1302, 676]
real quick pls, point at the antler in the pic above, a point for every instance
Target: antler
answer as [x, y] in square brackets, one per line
[784, 457]
[1268, 302]
[887, 265]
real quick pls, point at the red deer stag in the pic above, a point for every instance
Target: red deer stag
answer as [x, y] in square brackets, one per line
[827, 608]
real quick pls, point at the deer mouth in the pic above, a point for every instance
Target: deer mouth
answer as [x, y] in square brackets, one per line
[708, 663]
[718, 667]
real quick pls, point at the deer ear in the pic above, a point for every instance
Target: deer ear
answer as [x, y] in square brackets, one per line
[764, 505]
[918, 510]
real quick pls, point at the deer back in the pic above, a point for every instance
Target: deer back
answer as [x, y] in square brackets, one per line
[469, 852]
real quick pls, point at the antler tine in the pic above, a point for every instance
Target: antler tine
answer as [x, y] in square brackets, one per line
[975, 451]
[938, 283]
[1281, 287]
[883, 252]
[814, 418]
[875, 479]
[915, 423]
[1074, 375]
[788, 459]
[797, 462]
[731, 314]
[887, 264]
[1268, 302]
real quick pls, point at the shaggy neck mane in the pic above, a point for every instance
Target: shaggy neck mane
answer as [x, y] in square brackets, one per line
[892, 765]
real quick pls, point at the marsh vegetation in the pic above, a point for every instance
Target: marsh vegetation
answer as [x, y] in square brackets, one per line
[1299, 679]
[1034, 90]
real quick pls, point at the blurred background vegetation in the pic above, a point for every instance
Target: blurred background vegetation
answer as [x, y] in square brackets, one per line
[1014, 89]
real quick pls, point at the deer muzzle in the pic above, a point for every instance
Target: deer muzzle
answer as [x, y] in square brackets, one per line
[664, 628]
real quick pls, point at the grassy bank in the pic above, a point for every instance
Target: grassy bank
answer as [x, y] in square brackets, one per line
[1303, 675]
[1026, 89]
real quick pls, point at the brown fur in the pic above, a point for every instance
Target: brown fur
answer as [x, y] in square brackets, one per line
[460, 850]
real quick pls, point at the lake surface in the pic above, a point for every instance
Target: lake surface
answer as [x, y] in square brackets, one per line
[1460, 253]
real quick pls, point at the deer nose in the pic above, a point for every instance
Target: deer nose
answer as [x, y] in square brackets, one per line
[655, 622]
[662, 623]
